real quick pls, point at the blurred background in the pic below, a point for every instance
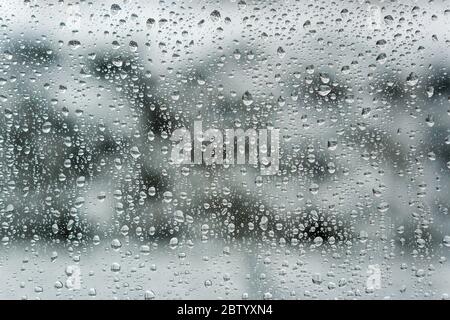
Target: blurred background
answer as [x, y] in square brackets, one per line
[92, 207]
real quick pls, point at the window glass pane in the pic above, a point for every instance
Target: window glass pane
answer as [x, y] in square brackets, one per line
[224, 149]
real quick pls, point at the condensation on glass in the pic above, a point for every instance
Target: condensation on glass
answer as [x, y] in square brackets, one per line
[344, 105]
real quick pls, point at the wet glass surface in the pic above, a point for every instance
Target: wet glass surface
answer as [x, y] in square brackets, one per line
[347, 197]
